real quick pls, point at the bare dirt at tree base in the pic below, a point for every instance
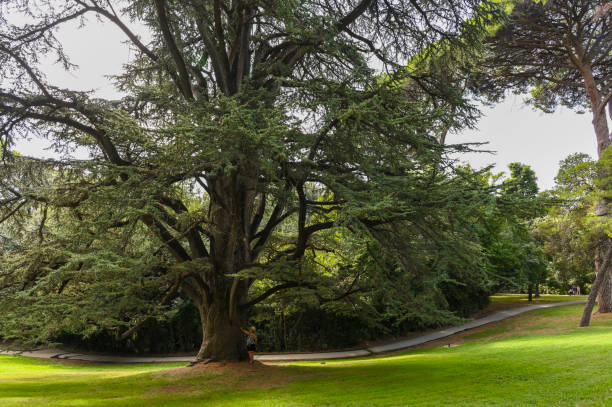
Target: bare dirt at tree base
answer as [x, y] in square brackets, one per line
[237, 375]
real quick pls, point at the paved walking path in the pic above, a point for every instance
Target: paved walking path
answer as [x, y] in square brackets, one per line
[372, 350]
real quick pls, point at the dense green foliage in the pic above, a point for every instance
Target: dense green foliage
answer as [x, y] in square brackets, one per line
[567, 234]
[514, 260]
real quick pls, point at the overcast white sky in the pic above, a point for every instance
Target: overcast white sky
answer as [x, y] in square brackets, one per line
[514, 130]
[518, 133]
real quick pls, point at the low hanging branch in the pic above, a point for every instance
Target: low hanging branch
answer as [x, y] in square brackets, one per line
[274, 290]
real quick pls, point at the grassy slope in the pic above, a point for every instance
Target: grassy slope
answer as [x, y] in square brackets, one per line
[537, 359]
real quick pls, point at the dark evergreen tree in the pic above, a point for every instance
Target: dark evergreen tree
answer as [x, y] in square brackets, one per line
[514, 260]
[250, 134]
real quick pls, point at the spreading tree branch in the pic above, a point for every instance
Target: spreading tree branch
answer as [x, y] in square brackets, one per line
[183, 75]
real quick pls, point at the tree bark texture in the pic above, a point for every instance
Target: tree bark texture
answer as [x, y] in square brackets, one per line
[221, 335]
[603, 289]
[600, 122]
[600, 277]
[232, 203]
[604, 296]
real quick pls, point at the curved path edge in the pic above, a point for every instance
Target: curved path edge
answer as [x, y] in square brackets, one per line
[262, 357]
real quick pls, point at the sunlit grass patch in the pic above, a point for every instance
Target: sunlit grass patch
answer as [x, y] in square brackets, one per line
[541, 298]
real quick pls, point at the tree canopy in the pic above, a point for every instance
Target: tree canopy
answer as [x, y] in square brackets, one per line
[251, 135]
[559, 51]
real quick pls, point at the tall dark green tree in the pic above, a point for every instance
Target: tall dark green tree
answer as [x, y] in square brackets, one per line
[522, 181]
[239, 118]
[565, 232]
[503, 228]
[522, 187]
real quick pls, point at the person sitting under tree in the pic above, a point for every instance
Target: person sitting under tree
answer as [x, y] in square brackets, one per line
[251, 342]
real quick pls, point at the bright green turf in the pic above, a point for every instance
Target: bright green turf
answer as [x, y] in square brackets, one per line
[541, 298]
[536, 359]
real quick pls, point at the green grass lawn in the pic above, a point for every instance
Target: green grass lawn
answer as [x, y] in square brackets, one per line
[537, 359]
[523, 298]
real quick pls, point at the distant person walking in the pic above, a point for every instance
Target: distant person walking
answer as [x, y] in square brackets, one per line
[577, 290]
[251, 343]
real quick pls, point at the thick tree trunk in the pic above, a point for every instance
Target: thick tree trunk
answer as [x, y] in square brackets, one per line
[599, 280]
[231, 210]
[221, 335]
[604, 296]
[600, 122]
